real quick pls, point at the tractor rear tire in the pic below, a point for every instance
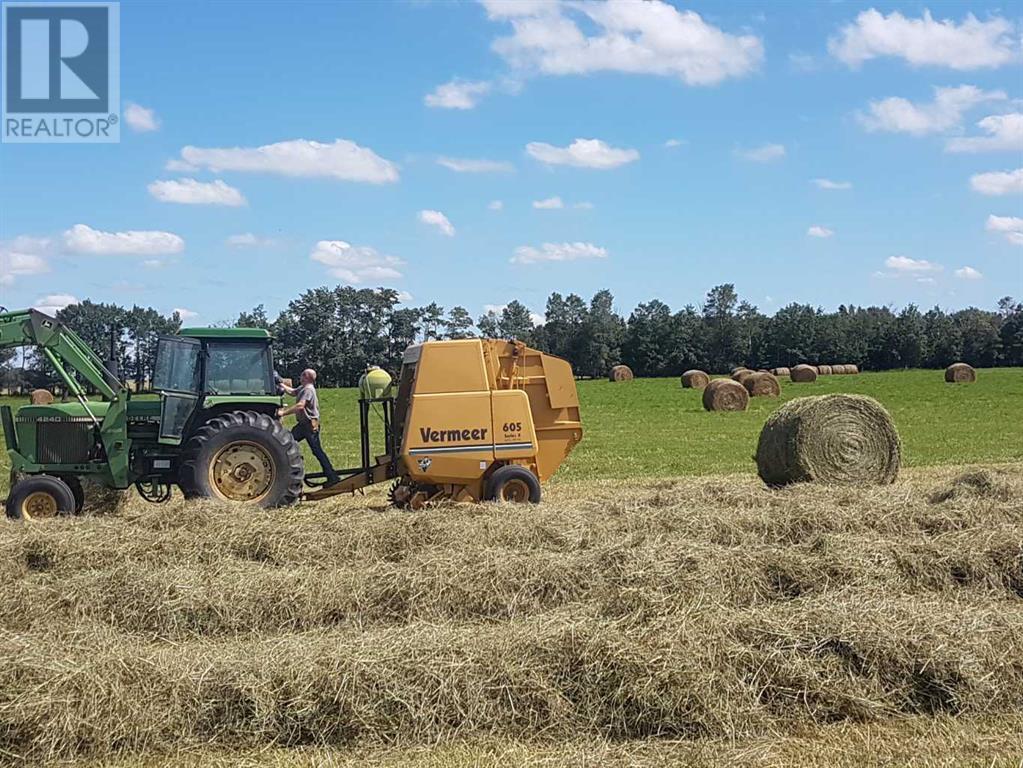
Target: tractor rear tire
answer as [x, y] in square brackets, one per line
[514, 484]
[244, 457]
[40, 496]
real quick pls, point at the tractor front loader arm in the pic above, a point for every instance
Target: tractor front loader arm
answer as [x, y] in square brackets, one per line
[64, 349]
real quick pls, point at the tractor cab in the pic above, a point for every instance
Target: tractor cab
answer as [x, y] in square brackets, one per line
[204, 369]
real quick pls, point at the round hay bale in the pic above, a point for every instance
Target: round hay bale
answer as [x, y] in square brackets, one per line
[725, 395]
[762, 385]
[736, 369]
[832, 439]
[852, 369]
[838, 370]
[620, 373]
[960, 373]
[741, 374]
[803, 374]
[824, 370]
[780, 371]
[695, 379]
[41, 397]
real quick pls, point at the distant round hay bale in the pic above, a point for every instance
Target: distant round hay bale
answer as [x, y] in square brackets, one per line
[832, 439]
[695, 379]
[824, 370]
[960, 373]
[41, 397]
[762, 385]
[741, 374]
[736, 369]
[620, 373]
[838, 370]
[780, 371]
[852, 369]
[725, 395]
[803, 373]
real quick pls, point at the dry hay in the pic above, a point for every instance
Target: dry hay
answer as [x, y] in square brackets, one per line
[695, 379]
[725, 395]
[780, 371]
[960, 373]
[838, 369]
[762, 385]
[824, 370]
[736, 369]
[41, 397]
[668, 611]
[975, 484]
[803, 373]
[831, 439]
[741, 374]
[852, 368]
[620, 373]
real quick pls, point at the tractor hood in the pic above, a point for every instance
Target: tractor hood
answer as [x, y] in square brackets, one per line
[62, 411]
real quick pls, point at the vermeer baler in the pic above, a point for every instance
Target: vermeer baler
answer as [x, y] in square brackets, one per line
[472, 420]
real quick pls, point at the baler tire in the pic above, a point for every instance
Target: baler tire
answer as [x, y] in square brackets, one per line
[513, 477]
[268, 436]
[49, 492]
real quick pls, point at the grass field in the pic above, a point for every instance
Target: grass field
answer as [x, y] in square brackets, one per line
[662, 607]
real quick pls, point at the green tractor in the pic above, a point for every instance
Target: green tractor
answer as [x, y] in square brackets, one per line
[213, 430]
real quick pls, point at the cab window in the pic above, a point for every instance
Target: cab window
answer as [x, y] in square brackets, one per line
[177, 365]
[237, 368]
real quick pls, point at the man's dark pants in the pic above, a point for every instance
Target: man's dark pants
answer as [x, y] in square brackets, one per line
[304, 431]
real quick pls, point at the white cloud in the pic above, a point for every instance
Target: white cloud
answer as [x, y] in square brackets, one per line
[249, 240]
[906, 265]
[84, 239]
[438, 220]
[457, 94]
[185, 314]
[763, 154]
[18, 263]
[584, 205]
[192, 192]
[179, 166]
[468, 165]
[819, 231]
[1005, 134]
[495, 205]
[829, 184]
[1010, 226]
[527, 254]
[404, 297]
[968, 273]
[54, 303]
[535, 317]
[582, 153]
[342, 159]
[672, 143]
[898, 115]
[652, 38]
[549, 204]
[355, 263]
[971, 44]
[998, 182]
[140, 119]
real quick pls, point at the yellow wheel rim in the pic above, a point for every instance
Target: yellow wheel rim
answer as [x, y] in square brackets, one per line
[242, 471]
[38, 504]
[516, 491]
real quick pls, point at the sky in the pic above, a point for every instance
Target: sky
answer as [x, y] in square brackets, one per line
[473, 153]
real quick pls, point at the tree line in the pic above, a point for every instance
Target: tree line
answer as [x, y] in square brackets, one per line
[340, 330]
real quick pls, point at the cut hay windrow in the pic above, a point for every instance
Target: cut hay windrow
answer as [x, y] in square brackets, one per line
[831, 439]
[803, 374]
[695, 379]
[620, 373]
[762, 385]
[725, 395]
[960, 373]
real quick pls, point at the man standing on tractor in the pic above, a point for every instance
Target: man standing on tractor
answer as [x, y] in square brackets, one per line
[307, 412]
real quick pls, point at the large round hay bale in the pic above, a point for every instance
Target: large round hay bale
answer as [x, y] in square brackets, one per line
[725, 395]
[762, 385]
[780, 371]
[736, 369]
[620, 373]
[741, 374]
[41, 397]
[852, 369]
[824, 370]
[803, 373]
[833, 439]
[960, 373]
[838, 370]
[695, 379]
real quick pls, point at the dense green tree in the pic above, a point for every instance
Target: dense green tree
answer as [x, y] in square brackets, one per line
[516, 322]
[459, 324]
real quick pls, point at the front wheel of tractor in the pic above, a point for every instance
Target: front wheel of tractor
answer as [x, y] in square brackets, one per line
[38, 497]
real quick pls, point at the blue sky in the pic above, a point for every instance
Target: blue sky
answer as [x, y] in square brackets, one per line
[471, 153]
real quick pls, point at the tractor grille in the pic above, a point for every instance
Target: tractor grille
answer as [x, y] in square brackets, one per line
[63, 442]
